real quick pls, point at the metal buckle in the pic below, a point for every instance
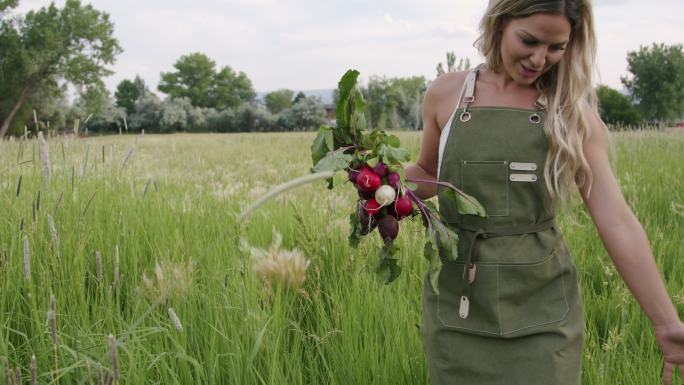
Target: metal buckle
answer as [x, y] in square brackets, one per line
[468, 99]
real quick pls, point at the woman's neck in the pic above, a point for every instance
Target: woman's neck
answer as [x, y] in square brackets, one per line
[502, 82]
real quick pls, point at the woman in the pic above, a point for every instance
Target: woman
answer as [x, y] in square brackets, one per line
[524, 130]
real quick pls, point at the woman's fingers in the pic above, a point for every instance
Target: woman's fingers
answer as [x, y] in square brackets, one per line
[667, 373]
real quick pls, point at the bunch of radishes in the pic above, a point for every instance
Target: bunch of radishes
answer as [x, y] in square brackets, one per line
[382, 200]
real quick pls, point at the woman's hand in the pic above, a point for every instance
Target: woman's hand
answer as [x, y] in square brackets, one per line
[670, 337]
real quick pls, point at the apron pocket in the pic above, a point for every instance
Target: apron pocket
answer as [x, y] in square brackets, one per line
[532, 295]
[487, 181]
[483, 317]
[506, 299]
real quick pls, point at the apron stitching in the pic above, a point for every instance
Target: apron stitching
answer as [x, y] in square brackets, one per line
[565, 299]
[498, 307]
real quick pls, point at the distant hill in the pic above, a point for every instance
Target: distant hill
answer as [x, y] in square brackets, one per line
[325, 95]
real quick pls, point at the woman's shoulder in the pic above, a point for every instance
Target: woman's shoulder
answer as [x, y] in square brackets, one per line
[446, 84]
[442, 95]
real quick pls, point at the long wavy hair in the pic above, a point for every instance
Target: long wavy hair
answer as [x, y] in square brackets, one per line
[566, 87]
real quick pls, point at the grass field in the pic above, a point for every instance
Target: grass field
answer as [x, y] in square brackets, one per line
[129, 227]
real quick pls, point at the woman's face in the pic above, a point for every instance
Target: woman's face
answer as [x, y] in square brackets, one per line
[533, 44]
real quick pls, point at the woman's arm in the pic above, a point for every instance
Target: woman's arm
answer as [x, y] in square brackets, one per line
[621, 232]
[626, 242]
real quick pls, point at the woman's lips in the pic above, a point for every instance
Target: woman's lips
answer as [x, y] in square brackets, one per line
[528, 73]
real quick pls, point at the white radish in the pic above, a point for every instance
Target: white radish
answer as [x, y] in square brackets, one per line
[385, 195]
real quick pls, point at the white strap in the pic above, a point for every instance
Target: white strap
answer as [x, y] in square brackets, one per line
[468, 88]
[470, 85]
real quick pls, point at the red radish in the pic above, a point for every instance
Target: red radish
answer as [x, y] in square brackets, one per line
[388, 226]
[368, 222]
[368, 181]
[364, 194]
[393, 180]
[372, 206]
[385, 195]
[381, 169]
[403, 206]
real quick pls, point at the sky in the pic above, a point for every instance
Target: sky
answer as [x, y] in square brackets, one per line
[309, 44]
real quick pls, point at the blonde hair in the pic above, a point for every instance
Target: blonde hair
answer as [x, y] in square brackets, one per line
[566, 87]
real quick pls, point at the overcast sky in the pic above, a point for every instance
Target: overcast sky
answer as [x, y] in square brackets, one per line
[308, 44]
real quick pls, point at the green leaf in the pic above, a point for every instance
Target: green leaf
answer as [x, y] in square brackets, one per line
[323, 144]
[410, 186]
[357, 116]
[465, 204]
[355, 234]
[393, 155]
[446, 240]
[345, 87]
[393, 141]
[333, 161]
[358, 121]
[434, 262]
[372, 162]
[387, 268]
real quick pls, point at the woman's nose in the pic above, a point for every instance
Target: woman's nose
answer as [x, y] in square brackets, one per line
[538, 58]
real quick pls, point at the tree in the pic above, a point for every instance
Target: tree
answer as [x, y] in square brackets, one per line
[395, 102]
[657, 81]
[277, 101]
[451, 64]
[147, 113]
[616, 108]
[128, 92]
[196, 78]
[7, 4]
[306, 115]
[300, 96]
[74, 43]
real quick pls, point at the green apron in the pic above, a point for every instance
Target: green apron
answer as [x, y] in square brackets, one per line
[520, 321]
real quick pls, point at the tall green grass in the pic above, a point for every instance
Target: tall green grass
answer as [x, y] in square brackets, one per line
[171, 201]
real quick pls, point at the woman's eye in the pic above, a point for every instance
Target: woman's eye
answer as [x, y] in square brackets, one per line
[529, 42]
[558, 48]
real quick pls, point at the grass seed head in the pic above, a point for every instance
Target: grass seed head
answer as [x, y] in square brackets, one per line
[172, 279]
[115, 357]
[175, 320]
[8, 372]
[52, 319]
[116, 265]
[98, 266]
[53, 230]
[27, 259]
[34, 370]
[279, 267]
[44, 158]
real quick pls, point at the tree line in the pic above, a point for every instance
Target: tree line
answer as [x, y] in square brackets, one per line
[45, 50]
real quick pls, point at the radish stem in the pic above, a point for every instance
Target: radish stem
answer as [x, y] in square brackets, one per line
[284, 187]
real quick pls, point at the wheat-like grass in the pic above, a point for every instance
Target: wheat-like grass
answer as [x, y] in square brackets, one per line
[175, 320]
[44, 157]
[34, 370]
[27, 259]
[115, 358]
[98, 267]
